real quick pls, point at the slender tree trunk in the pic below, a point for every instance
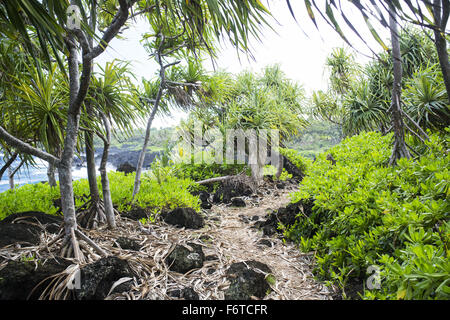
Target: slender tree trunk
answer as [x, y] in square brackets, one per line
[140, 164]
[7, 164]
[90, 163]
[51, 170]
[440, 41]
[70, 140]
[280, 166]
[399, 149]
[11, 178]
[107, 200]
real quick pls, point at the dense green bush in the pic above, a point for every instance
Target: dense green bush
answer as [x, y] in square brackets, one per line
[170, 192]
[296, 158]
[366, 213]
[203, 171]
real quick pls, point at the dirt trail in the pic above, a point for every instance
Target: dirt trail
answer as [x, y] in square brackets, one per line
[237, 241]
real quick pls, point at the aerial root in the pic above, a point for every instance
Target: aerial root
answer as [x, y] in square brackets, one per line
[92, 214]
[71, 246]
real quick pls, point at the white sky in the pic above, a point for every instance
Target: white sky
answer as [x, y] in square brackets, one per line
[302, 57]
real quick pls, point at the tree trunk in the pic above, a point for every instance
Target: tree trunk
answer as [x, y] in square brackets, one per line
[51, 170]
[440, 41]
[90, 163]
[280, 166]
[140, 164]
[399, 149]
[11, 178]
[7, 164]
[109, 209]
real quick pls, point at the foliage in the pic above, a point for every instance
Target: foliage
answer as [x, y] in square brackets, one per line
[203, 171]
[172, 192]
[426, 99]
[366, 213]
[30, 197]
[296, 158]
[319, 136]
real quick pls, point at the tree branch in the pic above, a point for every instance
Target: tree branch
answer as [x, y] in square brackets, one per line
[26, 148]
[118, 21]
[7, 164]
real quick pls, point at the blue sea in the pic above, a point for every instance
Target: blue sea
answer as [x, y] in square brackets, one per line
[38, 173]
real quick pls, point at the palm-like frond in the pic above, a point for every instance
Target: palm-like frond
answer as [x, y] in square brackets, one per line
[364, 112]
[426, 99]
[41, 104]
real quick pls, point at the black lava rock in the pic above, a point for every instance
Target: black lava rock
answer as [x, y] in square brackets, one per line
[286, 215]
[126, 168]
[292, 169]
[128, 244]
[184, 217]
[183, 259]
[238, 202]
[19, 278]
[20, 233]
[136, 213]
[98, 278]
[50, 223]
[247, 281]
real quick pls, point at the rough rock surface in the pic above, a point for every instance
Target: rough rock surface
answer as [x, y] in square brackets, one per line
[51, 223]
[286, 215]
[183, 259]
[19, 278]
[238, 202]
[126, 168]
[292, 169]
[136, 213]
[247, 280]
[184, 217]
[98, 278]
[128, 244]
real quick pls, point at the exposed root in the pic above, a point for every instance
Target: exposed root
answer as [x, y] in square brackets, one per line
[92, 214]
[71, 246]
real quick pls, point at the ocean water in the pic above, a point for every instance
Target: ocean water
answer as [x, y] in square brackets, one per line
[38, 173]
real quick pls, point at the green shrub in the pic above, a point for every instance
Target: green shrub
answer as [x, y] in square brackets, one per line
[170, 193]
[296, 158]
[366, 213]
[203, 171]
[30, 197]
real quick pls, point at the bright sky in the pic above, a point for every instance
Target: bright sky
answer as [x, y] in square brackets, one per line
[301, 51]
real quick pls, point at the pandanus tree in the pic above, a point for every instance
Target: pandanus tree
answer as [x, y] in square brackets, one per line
[432, 15]
[110, 105]
[343, 73]
[77, 39]
[252, 104]
[173, 44]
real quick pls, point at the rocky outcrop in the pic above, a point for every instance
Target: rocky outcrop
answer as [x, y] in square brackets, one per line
[127, 244]
[24, 228]
[19, 278]
[126, 168]
[121, 157]
[97, 279]
[183, 259]
[286, 216]
[248, 280]
[184, 217]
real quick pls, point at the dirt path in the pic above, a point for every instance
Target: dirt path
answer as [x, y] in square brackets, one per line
[236, 240]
